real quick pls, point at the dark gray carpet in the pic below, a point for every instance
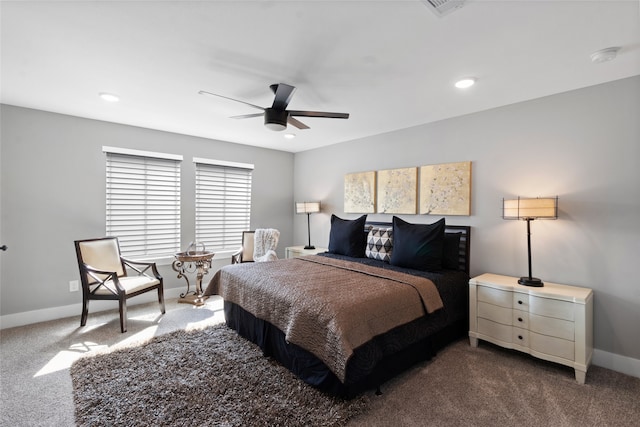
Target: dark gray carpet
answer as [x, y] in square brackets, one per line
[491, 386]
[210, 377]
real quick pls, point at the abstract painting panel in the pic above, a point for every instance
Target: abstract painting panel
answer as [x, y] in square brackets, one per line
[360, 192]
[398, 191]
[445, 189]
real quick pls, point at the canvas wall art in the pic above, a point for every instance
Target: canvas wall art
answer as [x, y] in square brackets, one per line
[445, 189]
[398, 191]
[360, 192]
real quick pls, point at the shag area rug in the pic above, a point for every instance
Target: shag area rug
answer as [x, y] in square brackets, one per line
[208, 377]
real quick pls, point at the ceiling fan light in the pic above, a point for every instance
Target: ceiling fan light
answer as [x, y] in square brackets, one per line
[289, 135]
[275, 126]
[275, 119]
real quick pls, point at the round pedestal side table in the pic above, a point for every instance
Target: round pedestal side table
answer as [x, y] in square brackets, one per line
[190, 262]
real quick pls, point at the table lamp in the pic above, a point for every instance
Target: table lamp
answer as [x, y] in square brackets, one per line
[528, 210]
[308, 208]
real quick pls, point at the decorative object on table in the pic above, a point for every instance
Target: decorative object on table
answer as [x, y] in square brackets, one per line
[528, 210]
[360, 192]
[308, 208]
[193, 261]
[445, 189]
[398, 191]
[104, 276]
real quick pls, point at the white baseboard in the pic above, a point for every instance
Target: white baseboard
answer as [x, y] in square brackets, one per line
[53, 313]
[616, 362]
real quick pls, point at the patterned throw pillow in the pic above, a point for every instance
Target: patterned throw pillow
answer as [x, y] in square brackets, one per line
[380, 243]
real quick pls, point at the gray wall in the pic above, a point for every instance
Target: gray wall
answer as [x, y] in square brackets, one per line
[583, 146]
[53, 192]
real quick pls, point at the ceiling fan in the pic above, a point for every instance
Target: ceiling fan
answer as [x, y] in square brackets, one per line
[277, 116]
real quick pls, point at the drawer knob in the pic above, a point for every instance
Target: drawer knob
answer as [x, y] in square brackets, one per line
[519, 319]
[519, 337]
[519, 302]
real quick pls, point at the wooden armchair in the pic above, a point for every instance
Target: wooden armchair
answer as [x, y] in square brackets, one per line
[104, 276]
[257, 246]
[245, 253]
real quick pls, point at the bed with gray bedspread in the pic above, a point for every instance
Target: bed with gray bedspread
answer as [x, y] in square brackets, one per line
[345, 324]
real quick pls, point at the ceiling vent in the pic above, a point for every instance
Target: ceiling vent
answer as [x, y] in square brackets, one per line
[443, 7]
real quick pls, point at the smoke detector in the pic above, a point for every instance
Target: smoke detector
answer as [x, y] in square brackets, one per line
[604, 55]
[443, 7]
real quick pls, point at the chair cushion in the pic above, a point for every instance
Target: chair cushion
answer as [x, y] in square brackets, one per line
[248, 242]
[130, 284]
[102, 254]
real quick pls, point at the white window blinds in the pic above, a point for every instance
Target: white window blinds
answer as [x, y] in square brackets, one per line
[143, 202]
[223, 203]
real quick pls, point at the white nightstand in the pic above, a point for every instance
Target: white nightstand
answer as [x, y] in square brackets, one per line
[554, 322]
[296, 251]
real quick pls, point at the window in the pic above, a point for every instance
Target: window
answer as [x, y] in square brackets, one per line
[143, 201]
[223, 203]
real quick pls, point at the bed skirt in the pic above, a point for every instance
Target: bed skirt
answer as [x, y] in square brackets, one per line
[371, 365]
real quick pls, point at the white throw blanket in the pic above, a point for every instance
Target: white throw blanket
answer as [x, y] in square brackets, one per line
[265, 244]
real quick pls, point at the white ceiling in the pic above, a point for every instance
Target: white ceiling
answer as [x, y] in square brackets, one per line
[390, 64]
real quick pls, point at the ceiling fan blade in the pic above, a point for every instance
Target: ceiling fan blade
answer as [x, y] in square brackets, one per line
[297, 123]
[247, 116]
[203, 92]
[319, 114]
[283, 93]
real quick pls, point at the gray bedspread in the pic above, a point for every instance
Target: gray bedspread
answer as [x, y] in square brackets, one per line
[327, 306]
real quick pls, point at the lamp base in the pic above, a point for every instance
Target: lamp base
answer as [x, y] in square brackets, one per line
[309, 247]
[531, 281]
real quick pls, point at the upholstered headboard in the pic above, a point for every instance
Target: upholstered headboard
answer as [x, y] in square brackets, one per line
[463, 247]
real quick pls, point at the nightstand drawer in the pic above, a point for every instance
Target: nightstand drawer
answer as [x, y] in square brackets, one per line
[495, 313]
[551, 308]
[521, 337]
[520, 301]
[495, 330]
[520, 319]
[552, 327]
[495, 296]
[551, 345]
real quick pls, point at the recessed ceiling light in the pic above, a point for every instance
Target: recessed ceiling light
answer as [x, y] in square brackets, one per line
[605, 55]
[109, 97]
[289, 135]
[465, 83]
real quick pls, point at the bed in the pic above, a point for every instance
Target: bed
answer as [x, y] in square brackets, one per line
[349, 320]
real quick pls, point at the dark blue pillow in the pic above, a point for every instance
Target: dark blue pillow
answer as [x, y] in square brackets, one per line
[347, 237]
[418, 246]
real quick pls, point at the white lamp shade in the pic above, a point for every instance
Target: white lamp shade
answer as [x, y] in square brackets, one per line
[540, 208]
[307, 207]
